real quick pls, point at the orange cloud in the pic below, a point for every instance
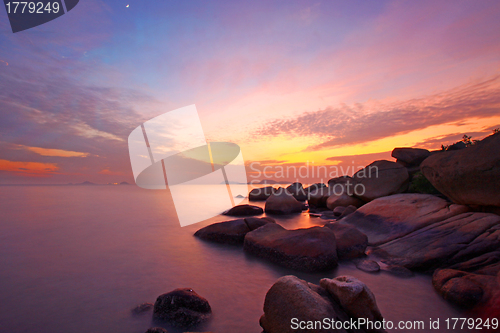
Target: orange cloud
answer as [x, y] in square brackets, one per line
[108, 172]
[54, 152]
[28, 168]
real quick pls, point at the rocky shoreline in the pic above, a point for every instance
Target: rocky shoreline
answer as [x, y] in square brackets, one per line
[431, 212]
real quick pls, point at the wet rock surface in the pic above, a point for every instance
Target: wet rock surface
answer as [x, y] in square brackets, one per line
[312, 249]
[182, 307]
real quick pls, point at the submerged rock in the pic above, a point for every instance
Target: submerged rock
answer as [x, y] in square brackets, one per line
[244, 210]
[397, 270]
[313, 249]
[182, 308]
[367, 265]
[467, 176]
[142, 308]
[281, 202]
[156, 330]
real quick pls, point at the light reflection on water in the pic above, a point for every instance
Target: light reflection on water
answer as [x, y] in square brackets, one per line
[79, 258]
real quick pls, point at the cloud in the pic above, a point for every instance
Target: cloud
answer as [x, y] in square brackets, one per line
[28, 168]
[51, 152]
[364, 122]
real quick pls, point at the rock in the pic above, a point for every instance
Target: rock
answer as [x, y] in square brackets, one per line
[281, 202]
[182, 307]
[261, 193]
[412, 170]
[318, 197]
[351, 243]
[314, 187]
[339, 183]
[255, 222]
[142, 308]
[297, 191]
[355, 298]
[337, 211]
[397, 270]
[348, 210]
[328, 215]
[486, 264]
[156, 330]
[291, 297]
[313, 249]
[367, 265]
[380, 179]
[231, 232]
[410, 156]
[244, 210]
[444, 243]
[342, 200]
[458, 287]
[395, 216]
[457, 146]
[467, 176]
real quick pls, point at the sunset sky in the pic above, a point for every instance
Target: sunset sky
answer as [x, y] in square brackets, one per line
[329, 82]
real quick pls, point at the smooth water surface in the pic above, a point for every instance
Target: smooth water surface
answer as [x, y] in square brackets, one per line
[77, 259]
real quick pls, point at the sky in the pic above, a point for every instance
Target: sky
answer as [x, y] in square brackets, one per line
[291, 82]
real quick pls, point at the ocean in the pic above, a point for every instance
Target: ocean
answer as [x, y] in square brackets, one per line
[78, 259]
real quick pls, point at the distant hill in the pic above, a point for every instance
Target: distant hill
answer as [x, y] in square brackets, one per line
[86, 183]
[124, 183]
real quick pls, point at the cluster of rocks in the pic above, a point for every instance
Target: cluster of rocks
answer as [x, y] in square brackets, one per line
[341, 299]
[309, 249]
[454, 236]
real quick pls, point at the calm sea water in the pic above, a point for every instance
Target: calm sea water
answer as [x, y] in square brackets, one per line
[77, 259]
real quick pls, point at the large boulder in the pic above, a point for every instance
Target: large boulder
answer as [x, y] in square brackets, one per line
[297, 191]
[291, 297]
[314, 187]
[281, 202]
[410, 156]
[380, 179]
[261, 193]
[395, 216]
[351, 242]
[463, 288]
[313, 249]
[467, 176]
[444, 243]
[231, 232]
[486, 264]
[182, 307]
[244, 210]
[355, 298]
[342, 200]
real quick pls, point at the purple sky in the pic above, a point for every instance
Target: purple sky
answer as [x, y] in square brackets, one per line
[287, 81]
